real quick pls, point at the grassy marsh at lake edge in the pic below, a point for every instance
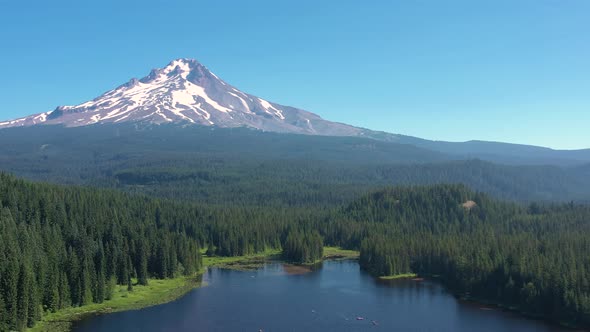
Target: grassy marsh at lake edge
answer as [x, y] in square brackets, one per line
[160, 291]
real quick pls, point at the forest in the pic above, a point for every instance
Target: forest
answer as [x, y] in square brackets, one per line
[533, 258]
[66, 246]
[63, 247]
[247, 167]
[303, 247]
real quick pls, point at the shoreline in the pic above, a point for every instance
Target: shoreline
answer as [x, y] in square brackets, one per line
[161, 291]
[399, 276]
[483, 303]
[513, 310]
[158, 291]
[494, 305]
[167, 290]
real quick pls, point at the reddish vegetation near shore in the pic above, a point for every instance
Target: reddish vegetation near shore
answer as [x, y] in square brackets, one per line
[296, 269]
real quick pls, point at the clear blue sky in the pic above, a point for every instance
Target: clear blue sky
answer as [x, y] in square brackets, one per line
[504, 70]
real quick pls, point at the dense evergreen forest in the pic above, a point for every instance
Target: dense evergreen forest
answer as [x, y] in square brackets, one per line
[166, 192]
[63, 247]
[533, 258]
[68, 246]
[303, 246]
[247, 167]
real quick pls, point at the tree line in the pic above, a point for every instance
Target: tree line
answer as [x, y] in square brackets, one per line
[62, 247]
[530, 258]
[247, 167]
[66, 246]
[303, 246]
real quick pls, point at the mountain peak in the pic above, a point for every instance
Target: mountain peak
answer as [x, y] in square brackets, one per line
[186, 92]
[180, 67]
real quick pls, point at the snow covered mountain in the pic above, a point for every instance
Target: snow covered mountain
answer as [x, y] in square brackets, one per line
[186, 92]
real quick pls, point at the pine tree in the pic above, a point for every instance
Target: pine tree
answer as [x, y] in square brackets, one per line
[142, 264]
[23, 295]
[4, 326]
[129, 284]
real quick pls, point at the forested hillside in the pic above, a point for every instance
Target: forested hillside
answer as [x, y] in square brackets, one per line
[222, 165]
[69, 246]
[63, 247]
[534, 258]
[66, 246]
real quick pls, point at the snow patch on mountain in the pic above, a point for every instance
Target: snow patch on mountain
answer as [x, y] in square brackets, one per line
[267, 106]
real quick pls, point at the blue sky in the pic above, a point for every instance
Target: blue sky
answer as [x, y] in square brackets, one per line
[502, 70]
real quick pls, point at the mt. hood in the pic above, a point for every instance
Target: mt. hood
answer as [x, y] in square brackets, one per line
[186, 92]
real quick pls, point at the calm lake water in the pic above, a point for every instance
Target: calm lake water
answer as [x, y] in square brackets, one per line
[327, 299]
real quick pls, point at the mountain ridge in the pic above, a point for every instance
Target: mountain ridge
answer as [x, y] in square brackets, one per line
[166, 156]
[185, 92]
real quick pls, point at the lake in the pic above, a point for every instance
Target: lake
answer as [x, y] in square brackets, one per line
[333, 297]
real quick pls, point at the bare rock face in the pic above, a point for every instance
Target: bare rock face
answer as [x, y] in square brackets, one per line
[186, 92]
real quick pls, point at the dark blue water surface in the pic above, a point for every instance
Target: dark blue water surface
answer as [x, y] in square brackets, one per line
[327, 299]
